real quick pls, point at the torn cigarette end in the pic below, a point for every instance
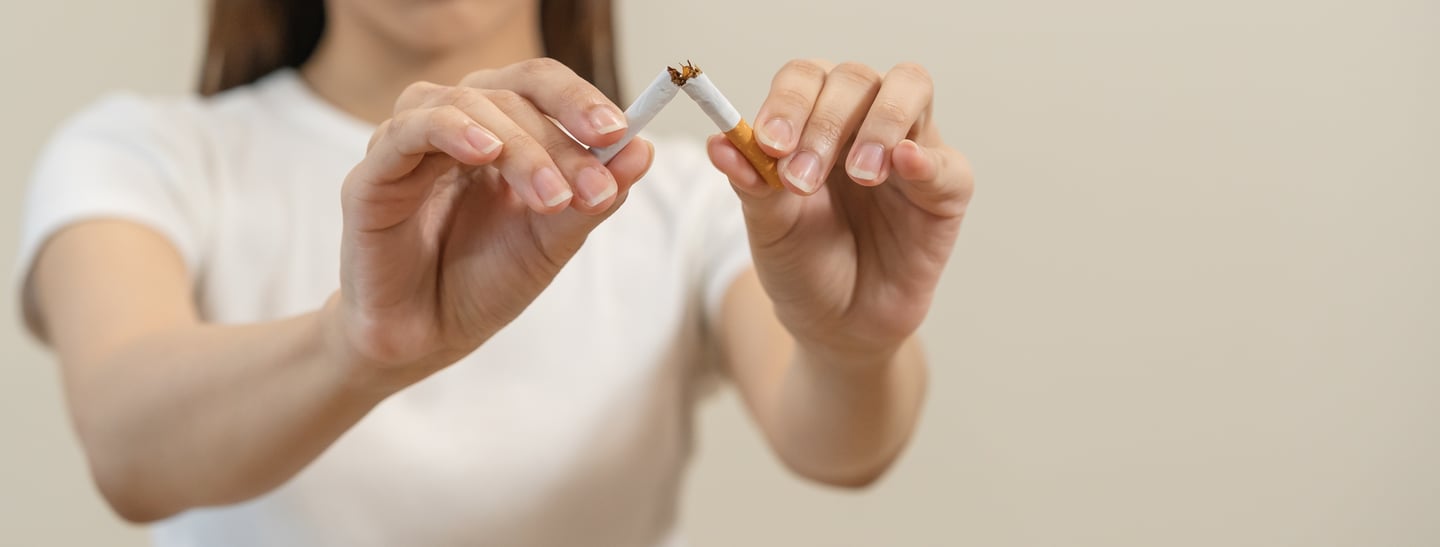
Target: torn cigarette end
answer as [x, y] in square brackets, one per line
[679, 76]
[699, 87]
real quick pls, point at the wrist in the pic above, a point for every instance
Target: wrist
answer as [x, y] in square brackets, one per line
[355, 372]
[847, 355]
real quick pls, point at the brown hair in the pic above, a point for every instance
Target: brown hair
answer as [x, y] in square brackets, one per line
[251, 38]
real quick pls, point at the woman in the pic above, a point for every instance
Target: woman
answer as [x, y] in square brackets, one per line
[518, 333]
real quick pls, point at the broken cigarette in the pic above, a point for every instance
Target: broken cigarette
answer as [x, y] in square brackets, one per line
[699, 87]
[646, 106]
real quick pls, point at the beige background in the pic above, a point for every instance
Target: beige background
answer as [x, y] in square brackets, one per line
[1197, 301]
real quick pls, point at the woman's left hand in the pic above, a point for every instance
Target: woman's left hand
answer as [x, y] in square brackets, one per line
[851, 250]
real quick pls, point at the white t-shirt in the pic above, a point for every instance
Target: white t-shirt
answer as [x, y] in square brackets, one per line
[531, 440]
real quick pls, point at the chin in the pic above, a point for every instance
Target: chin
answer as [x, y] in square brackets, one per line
[433, 25]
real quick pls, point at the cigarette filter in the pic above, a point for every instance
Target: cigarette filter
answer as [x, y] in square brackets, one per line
[699, 87]
[646, 106]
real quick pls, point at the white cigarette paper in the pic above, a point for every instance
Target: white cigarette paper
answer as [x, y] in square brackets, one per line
[646, 106]
[699, 87]
[714, 103]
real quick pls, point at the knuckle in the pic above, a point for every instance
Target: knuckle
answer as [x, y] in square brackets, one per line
[450, 95]
[478, 78]
[416, 94]
[790, 99]
[559, 147]
[524, 142]
[857, 73]
[827, 127]
[965, 181]
[441, 117]
[963, 167]
[542, 65]
[891, 112]
[913, 71]
[577, 93]
[506, 99]
[380, 132]
[395, 126]
[464, 98]
[418, 90]
[807, 68]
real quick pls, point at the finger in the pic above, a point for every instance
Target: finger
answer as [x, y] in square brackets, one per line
[399, 144]
[524, 161]
[421, 94]
[733, 164]
[631, 164]
[405, 155]
[561, 94]
[904, 98]
[563, 233]
[936, 179]
[916, 164]
[593, 184]
[848, 93]
[792, 96]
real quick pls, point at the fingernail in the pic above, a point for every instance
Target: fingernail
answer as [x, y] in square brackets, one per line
[595, 186]
[484, 141]
[868, 160]
[550, 186]
[606, 120]
[776, 134]
[804, 171]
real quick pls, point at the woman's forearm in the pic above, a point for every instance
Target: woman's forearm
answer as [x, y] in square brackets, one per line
[203, 415]
[832, 416]
[844, 422]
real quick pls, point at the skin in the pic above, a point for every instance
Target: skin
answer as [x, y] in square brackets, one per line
[467, 186]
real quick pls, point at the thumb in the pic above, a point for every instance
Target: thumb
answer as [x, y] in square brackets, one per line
[934, 178]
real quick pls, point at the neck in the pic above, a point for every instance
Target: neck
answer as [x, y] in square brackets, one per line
[362, 74]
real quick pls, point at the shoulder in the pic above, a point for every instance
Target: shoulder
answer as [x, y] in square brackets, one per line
[127, 117]
[175, 119]
[125, 135]
[175, 136]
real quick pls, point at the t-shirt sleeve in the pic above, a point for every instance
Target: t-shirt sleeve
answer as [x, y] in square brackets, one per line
[122, 158]
[726, 248]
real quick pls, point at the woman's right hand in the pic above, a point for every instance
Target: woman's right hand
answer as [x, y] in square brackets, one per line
[468, 202]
